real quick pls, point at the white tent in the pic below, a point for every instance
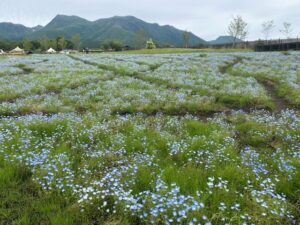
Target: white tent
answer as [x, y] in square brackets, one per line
[17, 50]
[51, 50]
[1, 52]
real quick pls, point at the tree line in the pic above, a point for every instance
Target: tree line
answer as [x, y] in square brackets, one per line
[43, 44]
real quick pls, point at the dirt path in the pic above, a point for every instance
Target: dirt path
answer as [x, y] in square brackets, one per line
[269, 85]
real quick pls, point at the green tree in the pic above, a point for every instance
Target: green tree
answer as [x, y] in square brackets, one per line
[53, 44]
[61, 43]
[150, 44]
[45, 43]
[27, 44]
[76, 41]
[116, 45]
[35, 45]
[113, 44]
[105, 45]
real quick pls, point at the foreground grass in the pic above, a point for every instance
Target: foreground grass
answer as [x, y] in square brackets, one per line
[24, 202]
[135, 169]
[114, 146]
[182, 50]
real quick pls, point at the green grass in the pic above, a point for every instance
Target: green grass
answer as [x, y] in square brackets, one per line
[24, 202]
[222, 101]
[25, 68]
[75, 167]
[278, 86]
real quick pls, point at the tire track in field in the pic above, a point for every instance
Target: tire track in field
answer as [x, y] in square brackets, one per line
[268, 84]
[145, 78]
[229, 105]
[229, 65]
[55, 90]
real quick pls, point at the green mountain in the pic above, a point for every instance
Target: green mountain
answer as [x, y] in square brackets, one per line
[224, 40]
[10, 31]
[124, 29]
[127, 29]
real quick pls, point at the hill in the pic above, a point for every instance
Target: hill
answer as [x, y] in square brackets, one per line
[13, 32]
[127, 29]
[224, 40]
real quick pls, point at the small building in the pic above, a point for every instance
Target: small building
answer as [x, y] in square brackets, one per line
[1, 52]
[51, 51]
[17, 51]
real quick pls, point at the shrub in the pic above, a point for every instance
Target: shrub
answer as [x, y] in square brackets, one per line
[150, 44]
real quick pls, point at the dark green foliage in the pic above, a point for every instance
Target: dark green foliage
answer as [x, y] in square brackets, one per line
[113, 45]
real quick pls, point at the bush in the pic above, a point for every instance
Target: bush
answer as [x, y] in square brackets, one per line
[114, 45]
[150, 44]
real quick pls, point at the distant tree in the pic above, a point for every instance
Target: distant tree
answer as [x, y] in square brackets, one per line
[27, 44]
[45, 43]
[35, 45]
[69, 45]
[61, 43]
[238, 29]
[113, 45]
[53, 44]
[287, 29]
[140, 38]
[150, 44]
[105, 45]
[76, 41]
[186, 38]
[267, 28]
[116, 45]
[8, 45]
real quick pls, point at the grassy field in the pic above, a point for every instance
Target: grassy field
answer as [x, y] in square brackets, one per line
[175, 138]
[181, 50]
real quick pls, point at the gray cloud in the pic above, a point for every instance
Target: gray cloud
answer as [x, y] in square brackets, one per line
[207, 19]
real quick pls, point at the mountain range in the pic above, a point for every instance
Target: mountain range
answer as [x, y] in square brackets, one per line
[224, 40]
[127, 29]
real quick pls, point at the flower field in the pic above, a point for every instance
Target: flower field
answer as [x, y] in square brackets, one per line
[194, 138]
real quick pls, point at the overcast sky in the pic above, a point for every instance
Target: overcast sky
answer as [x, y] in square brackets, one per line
[207, 19]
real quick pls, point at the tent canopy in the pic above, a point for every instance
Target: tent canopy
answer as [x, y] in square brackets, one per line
[51, 50]
[17, 49]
